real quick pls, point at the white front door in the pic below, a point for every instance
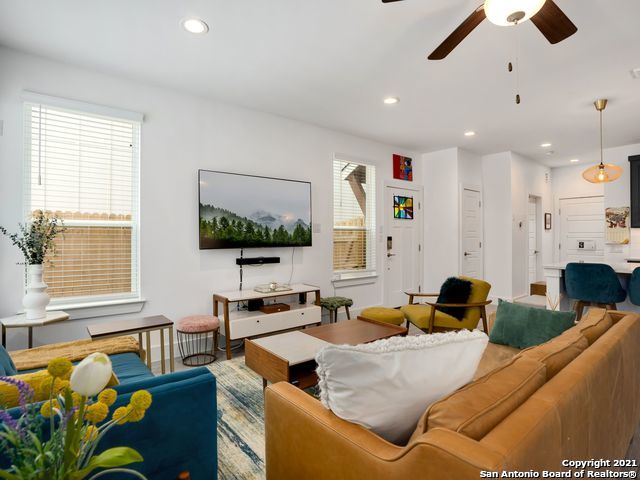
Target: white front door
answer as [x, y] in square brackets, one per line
[532, 240]
[472, 259]
[581, 229]
[402, 245]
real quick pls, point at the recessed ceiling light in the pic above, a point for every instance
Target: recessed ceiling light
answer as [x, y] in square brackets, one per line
[574, 160]
[470, 133]
[545, 145]
[195, 25]
[391, 100]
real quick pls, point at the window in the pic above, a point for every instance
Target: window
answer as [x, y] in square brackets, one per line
[83, 167]
[354, 219]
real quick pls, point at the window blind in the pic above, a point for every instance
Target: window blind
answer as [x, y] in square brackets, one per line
[83, 167]
[354, 217]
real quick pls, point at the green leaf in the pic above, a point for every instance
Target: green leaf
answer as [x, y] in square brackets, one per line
[114, 457]
[8, 476]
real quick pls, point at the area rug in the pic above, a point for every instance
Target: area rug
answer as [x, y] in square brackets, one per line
[240, 420]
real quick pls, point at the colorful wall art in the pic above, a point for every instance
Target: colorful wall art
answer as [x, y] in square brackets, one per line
[617, 225]
[403, 207]
[402, 168]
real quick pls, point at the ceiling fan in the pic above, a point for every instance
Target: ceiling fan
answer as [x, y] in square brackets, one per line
[545, 14]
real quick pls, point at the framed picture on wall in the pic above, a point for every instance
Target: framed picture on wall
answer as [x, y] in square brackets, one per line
[547, 221]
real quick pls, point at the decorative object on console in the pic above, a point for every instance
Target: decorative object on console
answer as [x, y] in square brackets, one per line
[602, 173]
[36, 240]
[361, 384]
[272, 287]
[402, 168]
[521, 326]
[275, 308]
[617, 229]
[240, 211]
[547, 221]
[403, 207]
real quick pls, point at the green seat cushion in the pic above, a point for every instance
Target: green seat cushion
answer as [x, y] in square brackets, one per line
[521, 327]
[333, 303]
[384, 315]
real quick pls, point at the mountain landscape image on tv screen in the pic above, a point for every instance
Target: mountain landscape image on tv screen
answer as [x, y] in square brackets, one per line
[244, 211]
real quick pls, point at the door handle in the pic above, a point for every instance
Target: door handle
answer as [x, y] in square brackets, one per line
[466, 254]
[390, 255]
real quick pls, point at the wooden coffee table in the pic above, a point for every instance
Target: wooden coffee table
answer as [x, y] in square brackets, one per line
[290, 357]
[139, 325]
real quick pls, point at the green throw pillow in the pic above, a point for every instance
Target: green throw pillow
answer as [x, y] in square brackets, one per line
[521, 327]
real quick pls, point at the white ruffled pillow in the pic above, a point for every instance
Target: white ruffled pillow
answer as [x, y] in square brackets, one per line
[385, 386]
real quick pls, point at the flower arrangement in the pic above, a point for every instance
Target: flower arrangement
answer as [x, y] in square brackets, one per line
[77, 413]
[36, 238]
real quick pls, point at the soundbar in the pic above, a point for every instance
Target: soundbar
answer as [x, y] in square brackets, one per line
[257, 260]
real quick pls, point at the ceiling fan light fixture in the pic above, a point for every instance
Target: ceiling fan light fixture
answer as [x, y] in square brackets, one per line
[509, 12]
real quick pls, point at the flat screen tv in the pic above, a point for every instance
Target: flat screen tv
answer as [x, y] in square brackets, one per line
[247, 211]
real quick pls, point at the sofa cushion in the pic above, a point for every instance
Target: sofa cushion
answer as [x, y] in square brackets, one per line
[454, 290]
[385, 385]
[594, 324]
[495, 356]
[128, 367]
[476, 409]
[557, 353]
[521, 326]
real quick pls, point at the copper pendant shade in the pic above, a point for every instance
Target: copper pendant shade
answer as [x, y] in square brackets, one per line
[602, 173]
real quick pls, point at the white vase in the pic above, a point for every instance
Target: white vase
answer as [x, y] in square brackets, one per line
[36, 300]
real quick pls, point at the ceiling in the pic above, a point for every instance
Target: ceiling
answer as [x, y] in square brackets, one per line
[331, 62]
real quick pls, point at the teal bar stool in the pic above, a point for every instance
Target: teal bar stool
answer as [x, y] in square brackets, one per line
[332, 304]
[593, 284]
[634, 287]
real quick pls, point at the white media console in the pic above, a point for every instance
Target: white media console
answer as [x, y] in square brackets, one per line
[241, 324]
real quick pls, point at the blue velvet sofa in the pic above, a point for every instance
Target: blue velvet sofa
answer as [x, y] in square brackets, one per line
[178, 432]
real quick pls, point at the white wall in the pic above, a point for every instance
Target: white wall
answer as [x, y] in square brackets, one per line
[567, 182]
[498, 260]
[181, 134]
[440, 178]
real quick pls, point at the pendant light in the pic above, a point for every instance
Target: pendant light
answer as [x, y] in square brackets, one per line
[602, 173]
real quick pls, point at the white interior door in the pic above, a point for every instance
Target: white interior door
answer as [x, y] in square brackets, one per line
[472, 259]
[402, 244]
[581, 229]
[532, 239]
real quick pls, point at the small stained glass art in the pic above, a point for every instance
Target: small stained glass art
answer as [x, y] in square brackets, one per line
[403, 207]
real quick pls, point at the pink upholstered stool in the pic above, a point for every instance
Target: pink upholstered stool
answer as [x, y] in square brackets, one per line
[198, 339]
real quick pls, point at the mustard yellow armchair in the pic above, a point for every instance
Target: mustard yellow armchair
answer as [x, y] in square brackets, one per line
[429, 317]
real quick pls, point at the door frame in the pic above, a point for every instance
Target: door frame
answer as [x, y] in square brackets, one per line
[474, 188]
[539, 229]
[385, 231]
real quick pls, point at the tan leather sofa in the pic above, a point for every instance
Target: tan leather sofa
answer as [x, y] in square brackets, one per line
[575, 397]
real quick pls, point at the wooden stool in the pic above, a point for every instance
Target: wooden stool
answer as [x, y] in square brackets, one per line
[333, 304]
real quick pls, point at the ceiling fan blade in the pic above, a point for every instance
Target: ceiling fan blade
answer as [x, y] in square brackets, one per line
[459, 34]
[389, 1]
[553, 23]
